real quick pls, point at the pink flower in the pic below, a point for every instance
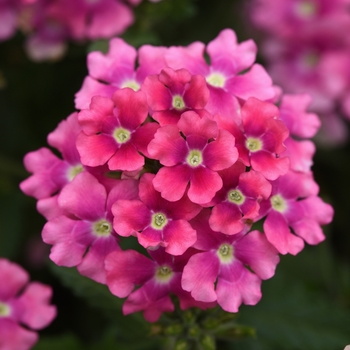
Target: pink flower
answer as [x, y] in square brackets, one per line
[171, 93]
[294, 204]
[116, 70]
[224, 78]
[85, 235]
[155, 278]
[264, 136]
[156, 221]
[112, 132]
[237, 203]
[192, 160]
[22, 304]
[219, 273]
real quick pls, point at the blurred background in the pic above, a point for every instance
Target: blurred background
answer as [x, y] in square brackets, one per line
[306, 305]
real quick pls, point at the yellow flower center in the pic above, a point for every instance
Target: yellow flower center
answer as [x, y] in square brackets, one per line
[306, 9]
[74, 170]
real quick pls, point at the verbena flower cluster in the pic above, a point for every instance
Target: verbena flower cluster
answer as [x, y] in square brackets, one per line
[193, 159]
[50, 24]
[24, 307]
[307, 50]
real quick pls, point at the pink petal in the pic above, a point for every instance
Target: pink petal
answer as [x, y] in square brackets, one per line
[197, 93]
[226, 218]
[92, 264]
[221, 153]
[241, 286]
[168, 146]
[125, 269]
[255, 251]
[91, 88]
[178, 236]
[15, 337]
[95, 150]
[254, 83]
[126, 158]
[84, 197]
[270, 166]
[143, 136]
[199, 276]
[131, 106]
[191, 123]
[15, 276]
[203, 186]
[172, 182]
[36, 311]
[279, 235]
[130, 216]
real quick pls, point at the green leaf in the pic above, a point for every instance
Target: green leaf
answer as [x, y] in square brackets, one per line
[66, 342]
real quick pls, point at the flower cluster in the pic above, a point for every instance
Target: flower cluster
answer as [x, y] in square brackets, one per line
[307, 50]
[22, 303]
[188, 157]
[50, 24]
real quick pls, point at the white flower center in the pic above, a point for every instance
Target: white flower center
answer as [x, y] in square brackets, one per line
[159, 220]
[121, 135]
[178, 102]
[164, 274]
[225, 253]
[132, 84]
[5, 310]
[74, 170]
[236, 196]
[278, 203]
[216, 79]
[102, 228]
[253, 144]
[306, 9]
[194, 158]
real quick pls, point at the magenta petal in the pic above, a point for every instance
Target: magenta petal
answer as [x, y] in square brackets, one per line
[131, 106]
[237, 286]
[221, 153]
[91, 88]
[92, 265]
[95, 150]
[270, 166]
[197, 94]
[16, 278]
[226, 218]
[150, 237]
[309, 230]
[16, 337]
[199, 276]
[255, 83]
[37, 313]
[279, 235]
[158, 95]
[126, 158]
[253, 184]
[130, 216]
[143, 136]
[204, 184]
[125, 269]
[255, 251]
[172, 182]
[178, 236]
[191, 123]
[168, 146]
[84, 197]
